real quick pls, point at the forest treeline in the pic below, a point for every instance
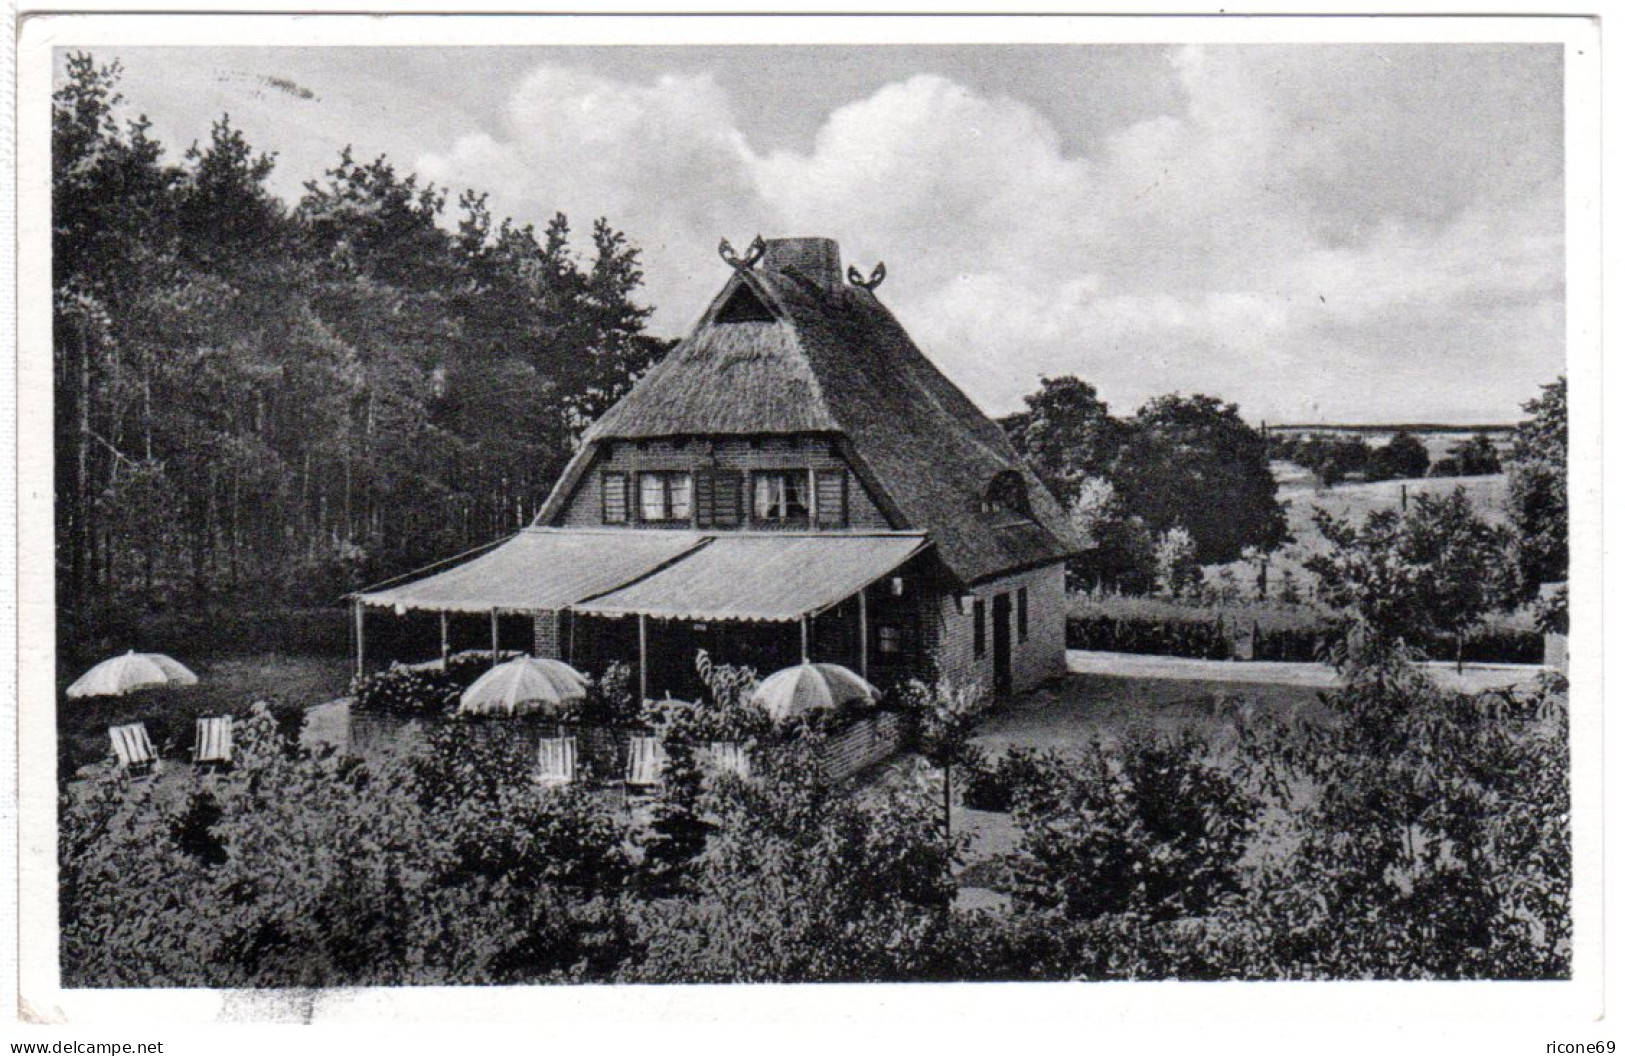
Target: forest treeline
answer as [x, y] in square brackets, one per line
[273, 402]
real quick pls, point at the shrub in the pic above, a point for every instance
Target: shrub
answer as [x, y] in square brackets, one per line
[402, 690]
[801, 883]
[1150, 828]
[993, 787]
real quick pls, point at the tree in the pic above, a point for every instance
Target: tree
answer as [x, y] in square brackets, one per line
[1067, 435]
[1404, 579]
[1465, 561]
[948, 714]
[1178, 571]
[1193, 462]
[1537, 490]
[1476, 456]
[1120, 550]
[260, 404]
[1402, 457]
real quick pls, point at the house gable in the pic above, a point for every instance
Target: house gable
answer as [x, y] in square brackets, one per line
[834, 362]
[620, 463]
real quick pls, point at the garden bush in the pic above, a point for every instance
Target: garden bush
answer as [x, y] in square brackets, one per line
[992, 786]
[1149, 827]
[407, 690]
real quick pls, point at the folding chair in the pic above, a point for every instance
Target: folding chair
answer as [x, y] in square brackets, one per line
[133, 749]
[645, 766]
[213, 743]
[556, 761]
[727, 757]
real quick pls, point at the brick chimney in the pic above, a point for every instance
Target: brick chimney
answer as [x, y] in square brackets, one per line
[817, 259]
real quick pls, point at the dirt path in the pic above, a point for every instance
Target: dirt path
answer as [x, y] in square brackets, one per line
[1474, 678]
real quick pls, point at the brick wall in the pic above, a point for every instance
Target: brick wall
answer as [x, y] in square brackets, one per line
[549, 637]
[585, 508]
[862, 745]
[1041, 656]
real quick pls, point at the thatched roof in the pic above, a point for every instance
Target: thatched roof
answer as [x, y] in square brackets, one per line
[833, 360]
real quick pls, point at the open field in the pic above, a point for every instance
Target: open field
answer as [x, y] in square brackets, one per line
[1302, 496]
[1356, 500]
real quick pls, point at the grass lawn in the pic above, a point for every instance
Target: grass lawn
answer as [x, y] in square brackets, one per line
[227, 686]
[1079, 709]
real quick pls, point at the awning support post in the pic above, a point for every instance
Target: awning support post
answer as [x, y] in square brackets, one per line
[360, 639]
[863, 632]
[493, 637]
[643, 658]
[445, 642]
[804, 656]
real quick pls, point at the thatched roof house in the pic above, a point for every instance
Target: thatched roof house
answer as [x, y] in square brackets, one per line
[887, 514]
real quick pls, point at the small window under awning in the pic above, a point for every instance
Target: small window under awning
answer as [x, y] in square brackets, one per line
[763, 577]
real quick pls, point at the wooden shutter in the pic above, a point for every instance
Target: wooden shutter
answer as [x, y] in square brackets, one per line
[727, 498]
[704, 499]
[831, 485]
[1021, 614]
[613, 486]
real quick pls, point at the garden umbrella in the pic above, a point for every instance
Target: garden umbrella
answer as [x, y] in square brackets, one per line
[807, 686]
[522, 686]
[133, 670]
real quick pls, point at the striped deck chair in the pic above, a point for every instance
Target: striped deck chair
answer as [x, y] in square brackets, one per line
[645, 764]
[133, 749]
[213, 744]
[556, 761]
[728, 757]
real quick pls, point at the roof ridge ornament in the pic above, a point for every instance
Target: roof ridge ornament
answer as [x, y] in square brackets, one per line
[753, 253]
[876, 277]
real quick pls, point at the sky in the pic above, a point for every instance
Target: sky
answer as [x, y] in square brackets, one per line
[1338, 233]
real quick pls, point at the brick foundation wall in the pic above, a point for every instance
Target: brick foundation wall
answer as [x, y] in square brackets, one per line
[865, 743]
[1042, 656]
[585, 508]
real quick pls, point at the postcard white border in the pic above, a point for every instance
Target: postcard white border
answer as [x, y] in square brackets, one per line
[961, 1009]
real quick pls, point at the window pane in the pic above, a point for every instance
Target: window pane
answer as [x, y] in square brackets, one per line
[651, 497]
[681, 487]
[768, 489]
[795, 496]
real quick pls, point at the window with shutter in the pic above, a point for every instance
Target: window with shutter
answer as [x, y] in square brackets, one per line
[1021, 614]
[665, 497]
[831, 485]
[613, 486]
[980, 643]
[780, 497]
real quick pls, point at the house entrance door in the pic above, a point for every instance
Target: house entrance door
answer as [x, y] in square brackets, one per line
[1001, 645]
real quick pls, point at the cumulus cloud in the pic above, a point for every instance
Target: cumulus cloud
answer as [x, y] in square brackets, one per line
[1314, 232]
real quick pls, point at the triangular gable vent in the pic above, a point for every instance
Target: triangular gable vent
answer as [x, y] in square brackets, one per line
[744, 307]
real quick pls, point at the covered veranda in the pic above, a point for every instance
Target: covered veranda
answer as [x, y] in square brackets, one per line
[653, 599]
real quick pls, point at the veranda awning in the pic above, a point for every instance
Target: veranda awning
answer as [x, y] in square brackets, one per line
[540, 570]
[770, 576]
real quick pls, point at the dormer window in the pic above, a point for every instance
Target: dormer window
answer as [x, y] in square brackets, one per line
[1007, 493]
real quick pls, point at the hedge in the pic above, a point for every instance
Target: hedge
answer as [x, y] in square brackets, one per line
[1205, 634]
